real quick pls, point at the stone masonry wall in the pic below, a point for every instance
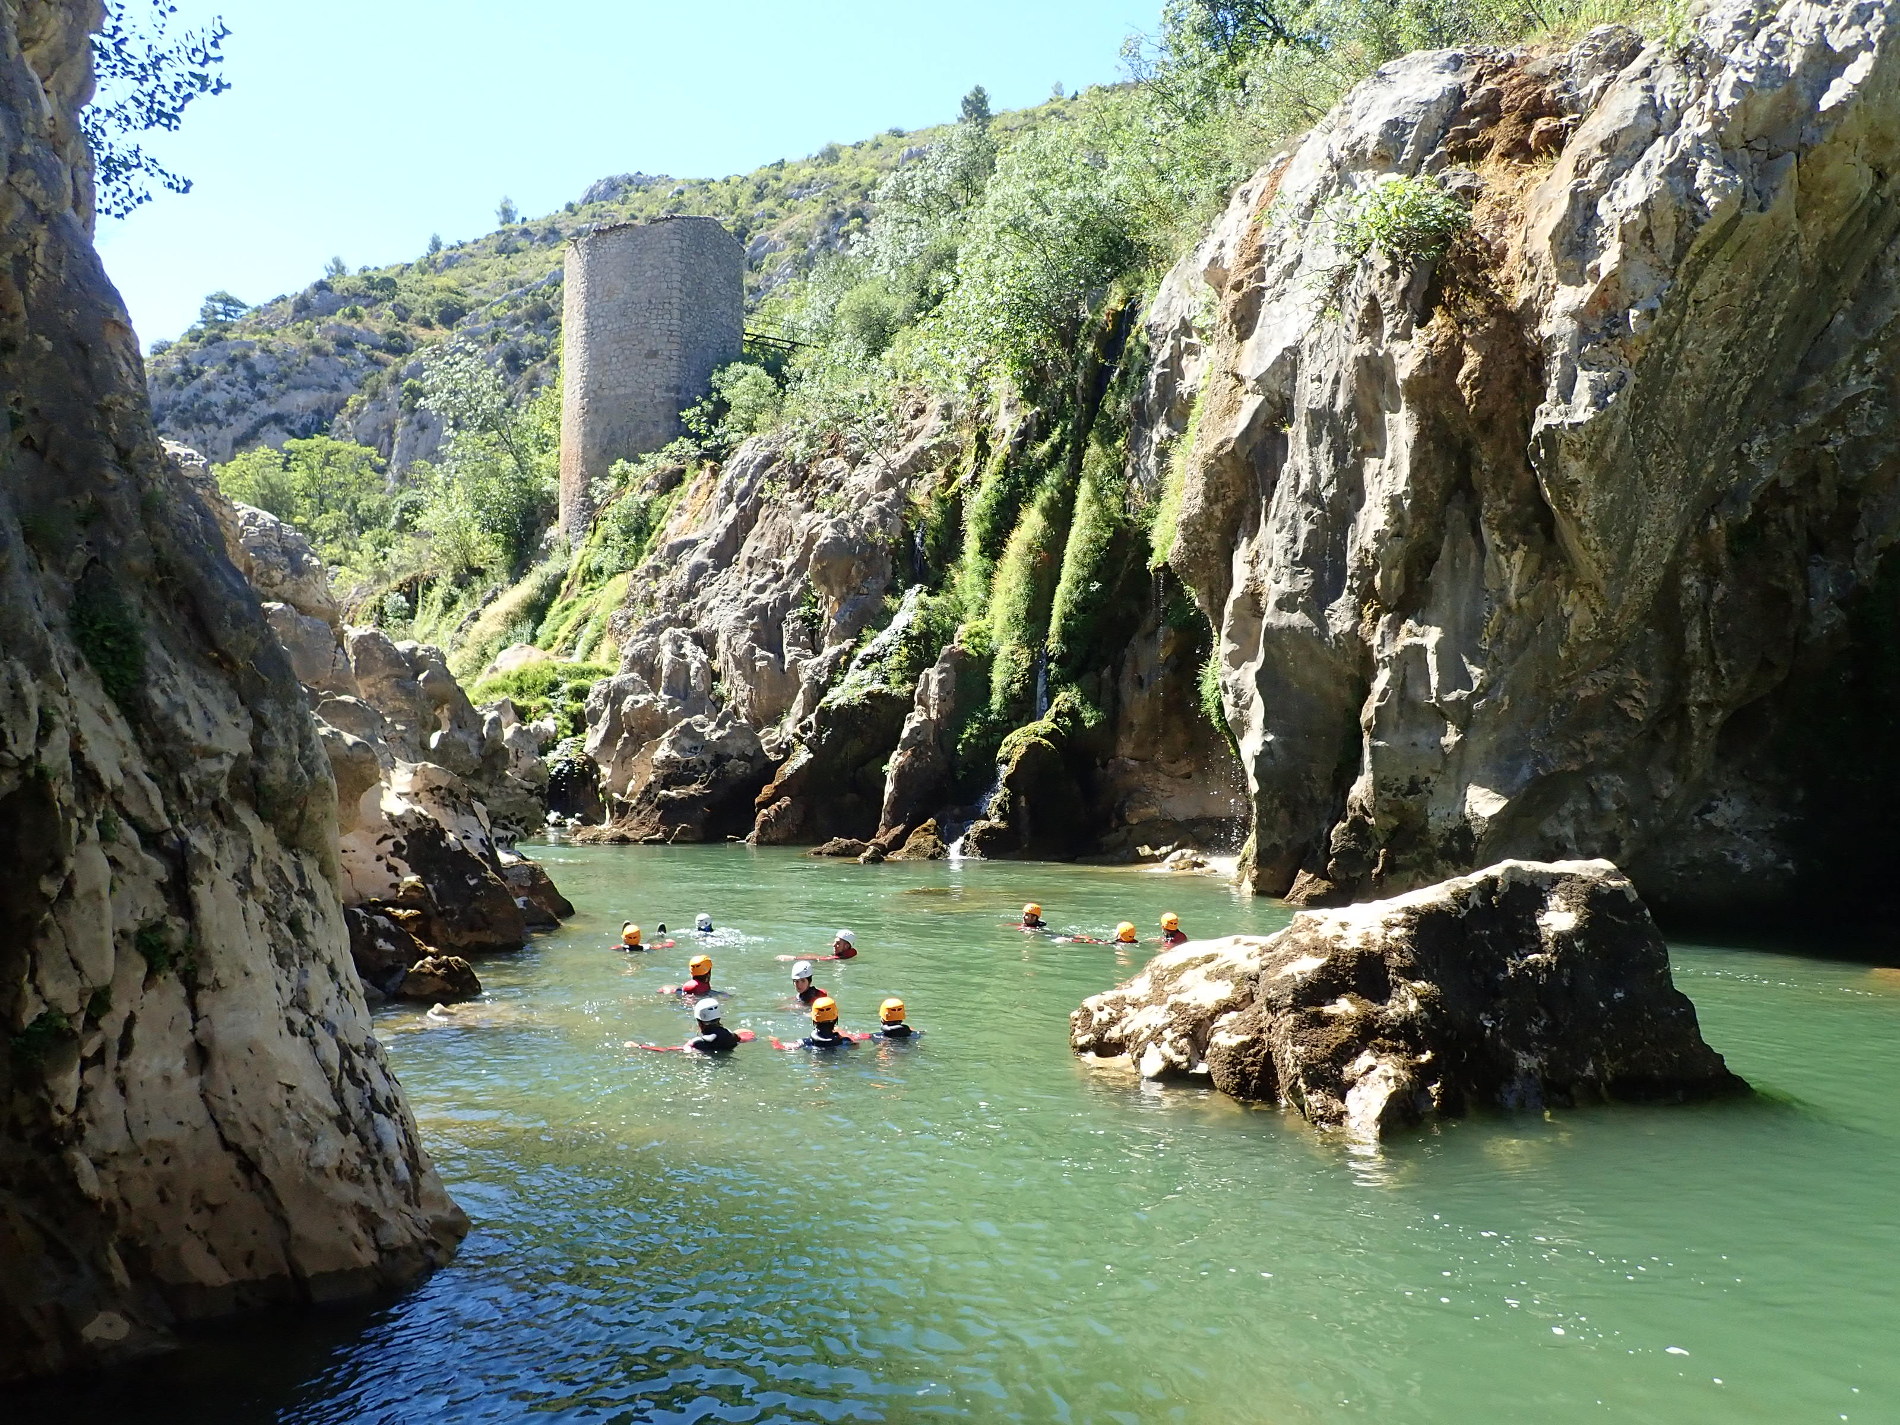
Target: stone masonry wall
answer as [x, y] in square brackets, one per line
[653, 309]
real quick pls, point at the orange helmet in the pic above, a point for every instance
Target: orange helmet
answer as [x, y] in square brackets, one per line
[1170, 921]
[1125, 932]
[824, 1010]
[701, 965]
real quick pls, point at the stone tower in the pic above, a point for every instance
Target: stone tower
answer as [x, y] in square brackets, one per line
[652, 310]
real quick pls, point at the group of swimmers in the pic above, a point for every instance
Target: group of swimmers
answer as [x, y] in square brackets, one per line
[1125, 933]
[715, 1038]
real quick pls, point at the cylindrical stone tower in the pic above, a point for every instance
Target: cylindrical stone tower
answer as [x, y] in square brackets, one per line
[651, 311]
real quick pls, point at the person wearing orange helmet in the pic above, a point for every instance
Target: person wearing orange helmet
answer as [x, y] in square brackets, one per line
[1171, 932]
[824, 1026]
[1032, 917]
[701, 982]
[630, 938]
[1126, 934]
[891, 1023]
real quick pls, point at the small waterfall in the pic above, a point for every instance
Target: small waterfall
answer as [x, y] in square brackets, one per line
[982, 810]
[1042, 681]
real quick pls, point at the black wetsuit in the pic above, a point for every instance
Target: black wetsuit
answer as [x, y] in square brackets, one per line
[897, 1031]
[714, 1039]
[810, 994]
[824, 1041]
[1037, 924]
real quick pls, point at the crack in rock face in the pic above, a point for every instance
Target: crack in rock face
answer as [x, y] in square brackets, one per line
[1523, 986]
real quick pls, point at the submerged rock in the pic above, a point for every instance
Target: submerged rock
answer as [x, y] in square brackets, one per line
[1521, 986]
[440, 979]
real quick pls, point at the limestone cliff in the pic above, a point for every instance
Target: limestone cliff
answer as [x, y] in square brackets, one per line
[196, 1115]
[1568, 543]
[791, 670]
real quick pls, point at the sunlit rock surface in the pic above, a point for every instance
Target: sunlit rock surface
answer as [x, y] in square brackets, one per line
[1523, 986]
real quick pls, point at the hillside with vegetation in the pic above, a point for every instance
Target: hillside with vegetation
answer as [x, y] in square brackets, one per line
[984, 280]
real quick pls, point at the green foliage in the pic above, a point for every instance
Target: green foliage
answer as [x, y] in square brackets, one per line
[1101, 544]
[1411, 220]
[146, 78]
[108, 634]
[542, 690]
[333, 491]
[745, 400]
[220, 309]
[156, 942]
[494, 488]
[506, 213]
[1208, 686]
[510, 618]
[1165, 524]
[31, 1045]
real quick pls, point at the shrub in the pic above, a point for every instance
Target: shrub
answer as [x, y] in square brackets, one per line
[108, 635]
[545, 689]
[1412, 220]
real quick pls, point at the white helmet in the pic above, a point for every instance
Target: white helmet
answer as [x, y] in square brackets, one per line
[847, 937]
[708, 1011]
[704, 922]
[802, 970]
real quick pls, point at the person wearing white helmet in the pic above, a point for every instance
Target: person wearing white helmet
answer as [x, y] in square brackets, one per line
[807, 992]
[703, 923]
[844, 946]
[713, 1036]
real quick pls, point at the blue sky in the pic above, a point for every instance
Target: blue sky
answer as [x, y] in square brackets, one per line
[358, 127]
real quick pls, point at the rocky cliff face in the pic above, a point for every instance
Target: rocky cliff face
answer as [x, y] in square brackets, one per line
[1569, 542]
[430, 789]
[781, 678]
[196, 1116]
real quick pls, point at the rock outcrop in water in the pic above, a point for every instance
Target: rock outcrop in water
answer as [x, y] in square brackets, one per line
[1522, 986]
[1571, 542]
[194, 1116]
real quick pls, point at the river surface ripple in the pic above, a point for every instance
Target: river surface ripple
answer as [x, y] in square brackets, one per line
[979, 1227]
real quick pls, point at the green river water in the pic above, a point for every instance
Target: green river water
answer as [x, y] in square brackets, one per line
[977, 1226]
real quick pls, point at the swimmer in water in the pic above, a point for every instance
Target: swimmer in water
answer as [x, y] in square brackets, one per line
[824, 1026]
[891, 1023]
[703, 924]
[630, 938]
[713, 1036]
[701, 982]
[1032, 917]
[1171, 932]
[807, 992]
[844, 946]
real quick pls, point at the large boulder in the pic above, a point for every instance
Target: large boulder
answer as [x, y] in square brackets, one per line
[1039, 806]
[832, 785]
[699, 783]
[196, 1116]
[282, 566]
[1522, 986]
